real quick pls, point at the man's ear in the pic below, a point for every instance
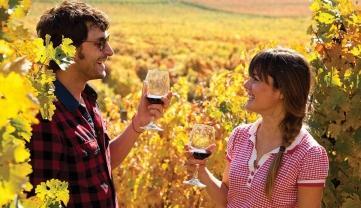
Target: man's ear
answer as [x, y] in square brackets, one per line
[78, 54]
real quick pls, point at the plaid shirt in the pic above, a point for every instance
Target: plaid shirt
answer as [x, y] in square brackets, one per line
[74, 147]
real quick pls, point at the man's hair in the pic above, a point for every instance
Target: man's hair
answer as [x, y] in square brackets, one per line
[70, 20]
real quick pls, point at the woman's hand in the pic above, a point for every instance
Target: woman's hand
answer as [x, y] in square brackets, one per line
[192, 162]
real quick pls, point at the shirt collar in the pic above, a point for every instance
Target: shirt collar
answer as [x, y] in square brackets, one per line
[253, 130]
[65, 97]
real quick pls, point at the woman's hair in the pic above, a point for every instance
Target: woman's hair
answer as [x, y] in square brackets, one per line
[291, 75]
[71, 20]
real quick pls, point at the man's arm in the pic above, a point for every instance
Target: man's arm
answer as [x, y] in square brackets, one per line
[122, 144]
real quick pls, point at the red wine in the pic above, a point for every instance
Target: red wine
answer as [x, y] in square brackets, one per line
[200, 154]
[153, 99]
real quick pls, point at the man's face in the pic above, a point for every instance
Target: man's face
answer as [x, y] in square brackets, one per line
[92, 54]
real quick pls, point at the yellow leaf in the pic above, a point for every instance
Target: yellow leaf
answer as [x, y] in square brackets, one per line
[39, 50]
[41, 191]
[21, 154]
[5, 48]
[336, 80]
[67, 47]
[32, 202]
[356, 51]
[325, 18]
[4, 4]
[6, 195]
[315, 6]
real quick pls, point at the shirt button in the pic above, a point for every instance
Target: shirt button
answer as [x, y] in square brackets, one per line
[104, 186]
[252, 173]
[249, 180]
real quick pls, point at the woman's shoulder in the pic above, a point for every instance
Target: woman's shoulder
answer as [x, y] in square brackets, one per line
[309, 144]
[243, 132]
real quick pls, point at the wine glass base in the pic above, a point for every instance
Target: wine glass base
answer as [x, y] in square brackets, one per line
[152, 127]
[195, 182]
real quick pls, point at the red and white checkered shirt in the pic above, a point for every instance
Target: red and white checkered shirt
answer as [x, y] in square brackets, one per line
[304, 163]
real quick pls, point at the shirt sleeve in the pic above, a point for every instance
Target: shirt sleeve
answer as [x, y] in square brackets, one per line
[46, 151]
[314, 168]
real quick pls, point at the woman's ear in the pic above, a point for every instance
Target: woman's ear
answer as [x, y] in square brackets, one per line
[281, 96]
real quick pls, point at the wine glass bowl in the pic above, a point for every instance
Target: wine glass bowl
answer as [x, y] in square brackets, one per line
[201, 137]
[158, 86]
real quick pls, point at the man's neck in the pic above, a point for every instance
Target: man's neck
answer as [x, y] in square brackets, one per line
[72, 84]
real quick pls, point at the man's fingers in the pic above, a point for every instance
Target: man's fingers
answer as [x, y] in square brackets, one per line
[166, 100]
[144, 89]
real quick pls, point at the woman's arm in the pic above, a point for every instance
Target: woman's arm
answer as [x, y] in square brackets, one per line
[309, 196]
[217, 189]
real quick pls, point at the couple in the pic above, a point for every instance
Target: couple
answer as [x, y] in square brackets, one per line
[273, 162]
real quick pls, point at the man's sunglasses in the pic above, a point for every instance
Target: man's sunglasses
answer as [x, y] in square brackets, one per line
[101, 43]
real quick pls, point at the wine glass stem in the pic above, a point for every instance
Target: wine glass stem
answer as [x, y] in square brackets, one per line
[196, 172]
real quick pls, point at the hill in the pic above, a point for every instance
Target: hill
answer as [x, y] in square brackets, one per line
[277, 8]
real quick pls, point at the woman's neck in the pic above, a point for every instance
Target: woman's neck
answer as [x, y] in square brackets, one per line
[269, 135]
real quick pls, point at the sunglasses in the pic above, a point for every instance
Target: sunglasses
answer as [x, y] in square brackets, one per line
[101, 43]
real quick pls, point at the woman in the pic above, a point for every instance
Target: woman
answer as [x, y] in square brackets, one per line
[273, 162]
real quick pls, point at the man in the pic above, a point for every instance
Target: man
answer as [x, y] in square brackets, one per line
[74, 145]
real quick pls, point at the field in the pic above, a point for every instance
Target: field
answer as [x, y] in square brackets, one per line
[159, 21]
[274, 8]
[198, 43]
[178, 33]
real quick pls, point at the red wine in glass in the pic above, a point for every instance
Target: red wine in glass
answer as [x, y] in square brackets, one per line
[200, 154]
[155, 99]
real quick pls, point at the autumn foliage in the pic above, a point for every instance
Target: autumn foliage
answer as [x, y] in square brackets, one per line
[209, 90]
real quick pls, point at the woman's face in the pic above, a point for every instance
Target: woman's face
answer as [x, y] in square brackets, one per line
[262, 97]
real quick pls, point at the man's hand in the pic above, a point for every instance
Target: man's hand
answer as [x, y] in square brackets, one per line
[147, 111]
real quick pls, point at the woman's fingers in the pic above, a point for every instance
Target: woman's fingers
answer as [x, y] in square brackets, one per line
[211, 148]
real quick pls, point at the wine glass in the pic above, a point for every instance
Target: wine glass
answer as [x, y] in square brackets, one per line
[158, 85]
[201, 137]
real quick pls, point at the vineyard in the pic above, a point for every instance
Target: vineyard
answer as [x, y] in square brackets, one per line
[207, 54]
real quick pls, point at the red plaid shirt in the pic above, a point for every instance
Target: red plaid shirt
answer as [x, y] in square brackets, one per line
[74, 147]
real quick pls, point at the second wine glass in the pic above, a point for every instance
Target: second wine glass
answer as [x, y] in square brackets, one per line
[201, 137]
[158, 85]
